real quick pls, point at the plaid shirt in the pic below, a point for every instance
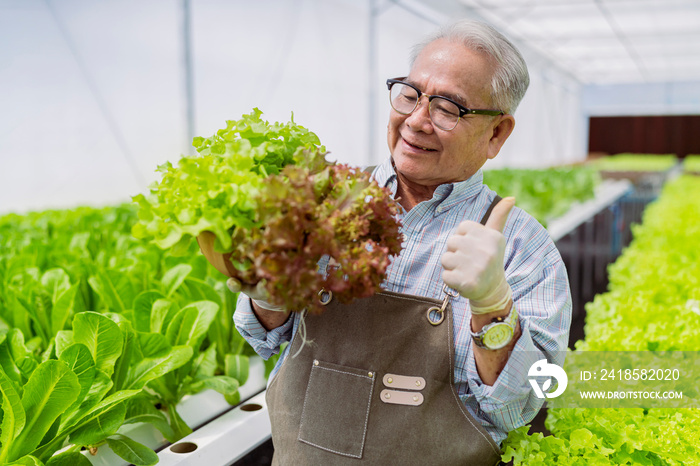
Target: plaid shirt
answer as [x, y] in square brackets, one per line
[534, 270]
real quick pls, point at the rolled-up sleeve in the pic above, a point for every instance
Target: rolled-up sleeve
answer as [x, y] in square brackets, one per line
[264, 342]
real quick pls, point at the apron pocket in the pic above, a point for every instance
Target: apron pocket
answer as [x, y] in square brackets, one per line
[336, 408]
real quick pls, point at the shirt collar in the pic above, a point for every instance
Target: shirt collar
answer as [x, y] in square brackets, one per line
[446, 195]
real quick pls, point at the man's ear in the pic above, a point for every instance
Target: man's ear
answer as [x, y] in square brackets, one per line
[503, 126]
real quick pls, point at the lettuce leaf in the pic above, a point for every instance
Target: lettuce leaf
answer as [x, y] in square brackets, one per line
[278, 207]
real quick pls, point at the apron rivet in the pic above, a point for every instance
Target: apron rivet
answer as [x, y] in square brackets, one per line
[315, 362]
[417, 383]
[389, 380]
[415, 398]
[371, 374]
[387, 395]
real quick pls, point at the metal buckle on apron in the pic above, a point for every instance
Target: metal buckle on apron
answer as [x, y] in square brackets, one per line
[441, 310]
[325, 297]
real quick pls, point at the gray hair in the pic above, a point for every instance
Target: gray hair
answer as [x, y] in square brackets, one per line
[510, 80]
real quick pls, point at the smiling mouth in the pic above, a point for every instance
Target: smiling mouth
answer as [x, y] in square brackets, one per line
[419, 147]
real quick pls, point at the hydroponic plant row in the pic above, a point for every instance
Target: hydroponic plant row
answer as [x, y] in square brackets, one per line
[652, 305]
[99, 329]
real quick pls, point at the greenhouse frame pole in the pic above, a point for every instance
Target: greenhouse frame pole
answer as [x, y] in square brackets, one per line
[189, 74]
[371, 78]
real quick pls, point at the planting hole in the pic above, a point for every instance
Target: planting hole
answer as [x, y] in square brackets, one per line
[184, 447]
[251, 407]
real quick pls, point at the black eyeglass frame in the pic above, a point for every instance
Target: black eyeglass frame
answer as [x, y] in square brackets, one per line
[462, 109]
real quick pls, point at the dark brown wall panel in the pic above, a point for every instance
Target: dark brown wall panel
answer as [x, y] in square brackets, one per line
[672, 134]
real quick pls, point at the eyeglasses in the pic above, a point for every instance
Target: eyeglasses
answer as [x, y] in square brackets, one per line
[444, 112]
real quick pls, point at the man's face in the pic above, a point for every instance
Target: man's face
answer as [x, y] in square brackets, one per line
[429, 156]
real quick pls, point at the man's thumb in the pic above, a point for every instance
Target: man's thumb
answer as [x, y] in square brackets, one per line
[499, 214]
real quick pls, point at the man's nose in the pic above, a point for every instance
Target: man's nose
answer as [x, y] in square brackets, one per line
[419, 119]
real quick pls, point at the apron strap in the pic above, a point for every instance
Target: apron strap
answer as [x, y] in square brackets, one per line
[496, 200]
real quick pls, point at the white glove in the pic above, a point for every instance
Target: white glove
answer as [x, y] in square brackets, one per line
[258, 294]
[473, 261]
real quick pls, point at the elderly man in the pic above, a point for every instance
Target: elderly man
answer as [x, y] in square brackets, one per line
[433, 369]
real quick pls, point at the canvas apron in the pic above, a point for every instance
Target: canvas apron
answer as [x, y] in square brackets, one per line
[375, 383]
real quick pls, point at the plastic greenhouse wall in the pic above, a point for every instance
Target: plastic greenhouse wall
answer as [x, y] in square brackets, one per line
[94, 92]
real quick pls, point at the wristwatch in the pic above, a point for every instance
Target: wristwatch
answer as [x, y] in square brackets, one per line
[498, 333]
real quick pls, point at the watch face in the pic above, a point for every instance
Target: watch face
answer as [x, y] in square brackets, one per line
[498, 336]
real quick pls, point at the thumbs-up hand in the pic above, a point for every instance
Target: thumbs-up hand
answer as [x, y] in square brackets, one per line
[473, 261]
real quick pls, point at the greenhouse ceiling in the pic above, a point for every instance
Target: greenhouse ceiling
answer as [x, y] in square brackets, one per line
[599, 41]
